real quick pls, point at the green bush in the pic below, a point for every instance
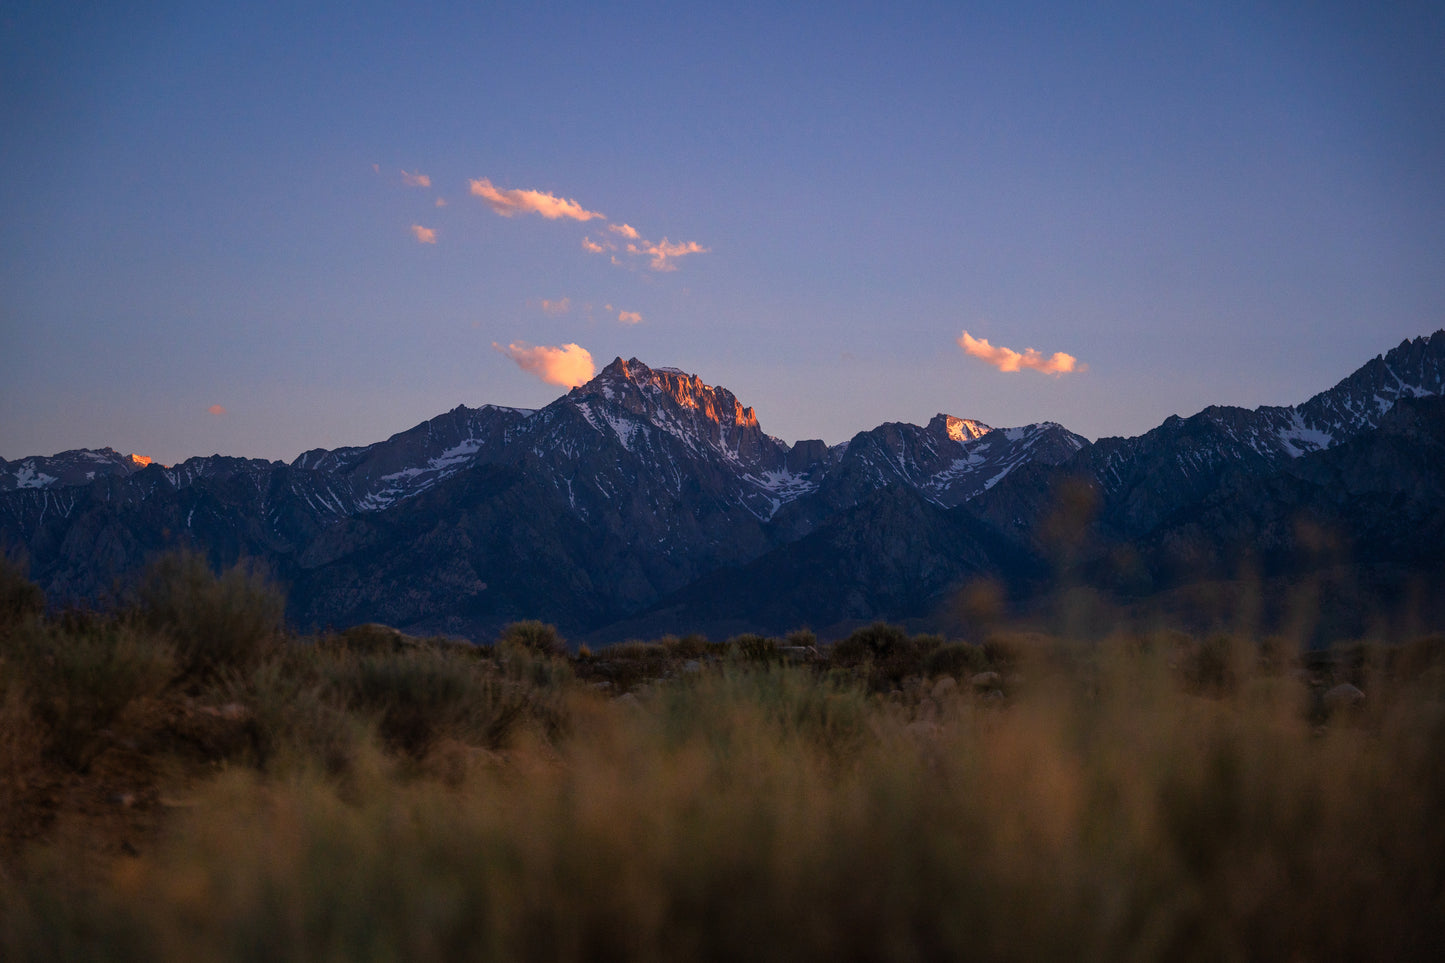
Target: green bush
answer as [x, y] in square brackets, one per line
[228, 622]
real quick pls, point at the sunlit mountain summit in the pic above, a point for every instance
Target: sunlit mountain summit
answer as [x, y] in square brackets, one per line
[647, 490]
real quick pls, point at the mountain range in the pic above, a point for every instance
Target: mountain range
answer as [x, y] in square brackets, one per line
[646, 501]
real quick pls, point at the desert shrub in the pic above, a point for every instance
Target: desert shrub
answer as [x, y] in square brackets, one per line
[80, 681]
[1211, 666]
[767, 811]
[692, 646]
[544, 676]
[652, 653]
[801, 638]
[20, 598]
[419, 695]
[887, 652]
[293, 716]
[22, 752]
[778, 704]
[956, 659]
[1009, 649]
[754, 648]
[230, 621]
[877, 642]
[367, 637]
[1420, 662]
[539, 638]
[924, 644]
[622, 666]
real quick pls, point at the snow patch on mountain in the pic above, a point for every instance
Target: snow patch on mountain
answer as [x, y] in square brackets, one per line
[29, 477]
[1299, 439]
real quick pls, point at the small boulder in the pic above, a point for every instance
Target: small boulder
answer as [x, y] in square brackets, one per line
[944, 689]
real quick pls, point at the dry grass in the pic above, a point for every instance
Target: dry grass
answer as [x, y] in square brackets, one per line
[1143, 798]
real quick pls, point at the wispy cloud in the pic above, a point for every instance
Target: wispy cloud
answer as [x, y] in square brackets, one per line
[568, 365]
[417, 179]
[660, 254]
[424, 235]
[560, 306]
[1007, 359]
[215, 410]
[510, 202]
[441, 202]
[663, 251]
[629, 317]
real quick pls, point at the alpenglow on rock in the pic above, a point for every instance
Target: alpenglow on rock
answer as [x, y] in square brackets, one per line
[644, 481]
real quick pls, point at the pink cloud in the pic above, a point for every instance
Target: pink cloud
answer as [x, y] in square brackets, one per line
[590, 245]
[560, 306]
[663, 250]
[1007, 359]
[441, 202]
[510, 202]
[568, 365]
[215, 410]
[629, 317]
[626, 230]
[415, 179]
[424, 235]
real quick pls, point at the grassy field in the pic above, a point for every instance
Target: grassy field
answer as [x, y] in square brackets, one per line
[181, 779]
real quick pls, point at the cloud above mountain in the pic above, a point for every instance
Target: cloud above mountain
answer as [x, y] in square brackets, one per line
[1007, 359]
[511, 202]
[568, 365]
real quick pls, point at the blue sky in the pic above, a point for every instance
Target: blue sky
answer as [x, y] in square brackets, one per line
[208, 244]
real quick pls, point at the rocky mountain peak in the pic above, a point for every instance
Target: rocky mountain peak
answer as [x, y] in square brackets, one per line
[958, 429]
[1413, 369]
[639, 389]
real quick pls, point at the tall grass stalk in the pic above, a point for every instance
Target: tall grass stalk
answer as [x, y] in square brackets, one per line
[768, 812]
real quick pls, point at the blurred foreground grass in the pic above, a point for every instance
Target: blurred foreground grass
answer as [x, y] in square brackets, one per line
[181, 779]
